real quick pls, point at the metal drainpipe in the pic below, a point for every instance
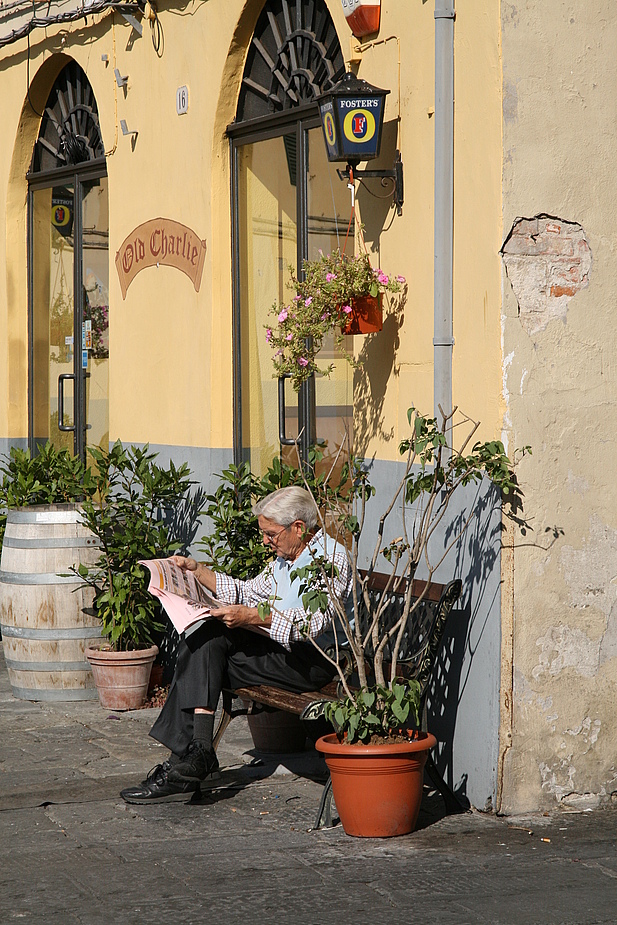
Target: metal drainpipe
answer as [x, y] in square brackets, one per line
[443, 340]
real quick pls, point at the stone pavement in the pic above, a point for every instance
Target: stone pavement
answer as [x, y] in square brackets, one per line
[72, 853]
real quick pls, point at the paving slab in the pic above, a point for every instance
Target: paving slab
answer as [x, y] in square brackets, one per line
[73, 853]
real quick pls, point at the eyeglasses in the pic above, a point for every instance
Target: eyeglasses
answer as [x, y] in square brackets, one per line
[272, 537]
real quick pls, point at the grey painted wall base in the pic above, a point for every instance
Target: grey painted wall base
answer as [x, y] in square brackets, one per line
[7, 442]
[464, 715]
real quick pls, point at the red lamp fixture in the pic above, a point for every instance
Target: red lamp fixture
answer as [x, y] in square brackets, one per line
[362, 16]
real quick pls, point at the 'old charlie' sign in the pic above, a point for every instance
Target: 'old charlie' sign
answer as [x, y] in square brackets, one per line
[160, 241]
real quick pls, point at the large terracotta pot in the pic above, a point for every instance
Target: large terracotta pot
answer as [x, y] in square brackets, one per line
[377, 788]
[121, 678]
[366, 316]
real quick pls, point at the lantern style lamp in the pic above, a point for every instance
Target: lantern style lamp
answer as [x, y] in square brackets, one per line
[352, 113]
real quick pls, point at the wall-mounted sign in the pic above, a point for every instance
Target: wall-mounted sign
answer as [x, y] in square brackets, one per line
[352, 114]
[362, 16]
[161, 241]
[182, 100]
[62, 211]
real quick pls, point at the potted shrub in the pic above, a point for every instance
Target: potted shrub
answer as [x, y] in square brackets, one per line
[44, 615]
[130, 518]
[378, 742]
[339, 294]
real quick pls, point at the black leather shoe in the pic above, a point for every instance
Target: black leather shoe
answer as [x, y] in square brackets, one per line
[198, 764]
[158, 788]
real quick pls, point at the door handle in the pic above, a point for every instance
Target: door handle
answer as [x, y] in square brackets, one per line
[284, 440]
[61, 425]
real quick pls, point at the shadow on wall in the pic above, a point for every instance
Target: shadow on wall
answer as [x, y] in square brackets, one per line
[183, 523]
[476, 559]
[377, 364]
[375, 196]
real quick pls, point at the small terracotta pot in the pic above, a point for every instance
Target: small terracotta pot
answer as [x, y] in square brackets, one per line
[377, 788]
[366, 316]
[121, 678]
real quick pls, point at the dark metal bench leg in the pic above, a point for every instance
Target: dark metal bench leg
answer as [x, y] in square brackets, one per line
[224, 721]
[324, 813]
[453, 803]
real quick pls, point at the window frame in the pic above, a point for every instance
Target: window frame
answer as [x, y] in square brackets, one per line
[77, 175]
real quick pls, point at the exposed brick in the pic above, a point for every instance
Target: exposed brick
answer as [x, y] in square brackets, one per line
[547, 261]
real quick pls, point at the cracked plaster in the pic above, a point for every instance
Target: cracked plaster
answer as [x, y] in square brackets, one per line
[547, 260]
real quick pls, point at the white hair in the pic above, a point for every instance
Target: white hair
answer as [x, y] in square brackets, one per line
[285, 505]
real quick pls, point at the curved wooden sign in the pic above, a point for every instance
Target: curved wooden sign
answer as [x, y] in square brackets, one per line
[160, 241]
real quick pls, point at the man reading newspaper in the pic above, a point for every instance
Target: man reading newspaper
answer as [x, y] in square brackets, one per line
[225, 650]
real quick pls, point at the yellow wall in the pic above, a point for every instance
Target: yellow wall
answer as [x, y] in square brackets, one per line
[170, 347]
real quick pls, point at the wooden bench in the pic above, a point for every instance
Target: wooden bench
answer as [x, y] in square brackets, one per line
[420, 648]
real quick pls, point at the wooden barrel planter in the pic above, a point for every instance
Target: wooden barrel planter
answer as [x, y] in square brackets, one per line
[45, 630]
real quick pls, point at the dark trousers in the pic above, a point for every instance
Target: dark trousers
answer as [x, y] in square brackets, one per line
[215, 657]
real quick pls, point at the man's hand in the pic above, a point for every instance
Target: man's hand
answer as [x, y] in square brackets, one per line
[204, 575]
[186, 563]
[237, 615]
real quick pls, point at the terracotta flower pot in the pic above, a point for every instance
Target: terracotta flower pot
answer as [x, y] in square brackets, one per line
[377, 788]
[277, 732]
[366, 315]
[121, 678]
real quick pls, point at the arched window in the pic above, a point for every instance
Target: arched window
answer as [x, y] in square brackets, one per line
[283, 213]
[70, 132]
[294, 56]
[68, 257]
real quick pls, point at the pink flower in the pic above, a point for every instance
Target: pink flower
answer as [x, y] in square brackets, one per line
[330, 277]
[289, 337]
[325, 316]
[347, 309]
[383, 279]
[269, 334]
[308, 301]
[400, 279]
[279, 353]
[296, 298]
[302, 361]
[282, 315]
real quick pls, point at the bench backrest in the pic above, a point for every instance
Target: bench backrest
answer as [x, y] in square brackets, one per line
[423, 635]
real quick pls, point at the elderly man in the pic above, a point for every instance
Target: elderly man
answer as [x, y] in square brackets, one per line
[226, 651]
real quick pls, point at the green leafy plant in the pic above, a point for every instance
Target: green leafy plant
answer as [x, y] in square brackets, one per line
[52, 476]
[376, 712]
[135, 502]
[233, 543]
[323, 299]
[436, 469]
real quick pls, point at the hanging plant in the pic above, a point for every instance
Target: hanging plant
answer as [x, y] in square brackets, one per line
[323, 304]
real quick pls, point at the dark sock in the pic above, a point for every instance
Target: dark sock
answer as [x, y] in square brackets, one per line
[203, 728]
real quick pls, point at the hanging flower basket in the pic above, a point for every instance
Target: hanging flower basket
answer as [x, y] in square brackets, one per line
[339, 295]
[366, 315]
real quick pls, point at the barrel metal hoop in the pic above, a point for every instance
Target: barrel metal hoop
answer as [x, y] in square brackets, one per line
[16, 665]
[79, 693]
[49, 542]
[81, 632]
[36, 578]
[44, 517]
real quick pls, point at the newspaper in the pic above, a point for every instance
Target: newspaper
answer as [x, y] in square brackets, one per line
[184, 599]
